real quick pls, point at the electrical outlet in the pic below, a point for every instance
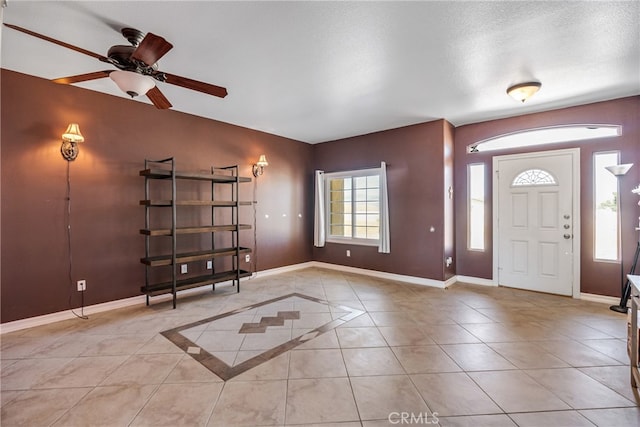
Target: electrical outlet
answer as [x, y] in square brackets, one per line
[82, 285]
[348, 252]
[183, 268]
[247, 258]
[209, 265]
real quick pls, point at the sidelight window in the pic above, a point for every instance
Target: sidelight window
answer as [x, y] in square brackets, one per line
[476, 203]
[606, 204]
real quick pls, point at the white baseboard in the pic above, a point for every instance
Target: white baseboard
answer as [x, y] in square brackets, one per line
[475, 280]
[68, 314]
[599, 298]
[141, 299]
[384, 275]
[285, 269]
[45, 319]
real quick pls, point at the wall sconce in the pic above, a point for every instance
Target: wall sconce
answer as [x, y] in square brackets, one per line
[523, 91]
[258, 168]
[70, 139]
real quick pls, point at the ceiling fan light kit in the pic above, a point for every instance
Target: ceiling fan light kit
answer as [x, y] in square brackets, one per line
[523, 91]
[133, 84]
[137, 72]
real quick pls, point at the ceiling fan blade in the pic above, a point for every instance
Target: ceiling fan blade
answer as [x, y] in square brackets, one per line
[151, 48]
[59, 43]
[196, 85]
[82, 77]
[159, 100]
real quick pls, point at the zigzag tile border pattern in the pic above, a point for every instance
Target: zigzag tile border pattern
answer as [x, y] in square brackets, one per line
[265, 322]
[224, 370]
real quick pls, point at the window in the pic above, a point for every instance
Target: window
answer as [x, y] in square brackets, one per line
[533, 177]
[475, 220]
[353, 206]
[605, 207]
[548, 135]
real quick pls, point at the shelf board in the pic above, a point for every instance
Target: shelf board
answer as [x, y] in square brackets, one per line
[200, 176]
[159, 260]
[194, 230]
[214, 203]
[192, 282]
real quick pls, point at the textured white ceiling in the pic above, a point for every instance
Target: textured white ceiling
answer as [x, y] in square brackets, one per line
[319, 71]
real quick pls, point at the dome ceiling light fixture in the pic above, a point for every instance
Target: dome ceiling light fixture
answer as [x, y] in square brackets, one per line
[132, 83]
[523, 91]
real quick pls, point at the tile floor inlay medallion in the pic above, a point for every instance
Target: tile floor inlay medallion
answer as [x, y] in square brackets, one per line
[231, 343]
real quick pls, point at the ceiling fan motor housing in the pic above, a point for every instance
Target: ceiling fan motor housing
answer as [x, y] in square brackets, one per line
[134, 36]
[120, 56]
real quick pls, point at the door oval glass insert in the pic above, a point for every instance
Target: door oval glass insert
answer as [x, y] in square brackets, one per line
[533, 177]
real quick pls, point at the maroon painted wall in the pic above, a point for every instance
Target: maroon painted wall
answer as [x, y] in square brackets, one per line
[106, 189]
[596, 277]
[423, 160]
[416, 183]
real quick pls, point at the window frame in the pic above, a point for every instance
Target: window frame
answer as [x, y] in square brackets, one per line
[469, 207]
[327, 197]
[594, 207]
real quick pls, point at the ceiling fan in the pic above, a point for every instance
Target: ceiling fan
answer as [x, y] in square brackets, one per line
[137, 66]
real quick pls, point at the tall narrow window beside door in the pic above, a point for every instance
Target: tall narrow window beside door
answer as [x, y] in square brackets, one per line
[605, 199]
[475, 219]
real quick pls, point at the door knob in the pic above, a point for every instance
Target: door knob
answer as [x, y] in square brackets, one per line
[567, 236]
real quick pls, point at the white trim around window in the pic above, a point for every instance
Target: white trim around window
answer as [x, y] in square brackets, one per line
[355, 207]
[352, 207]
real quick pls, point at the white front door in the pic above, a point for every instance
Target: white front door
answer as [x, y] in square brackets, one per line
[536, 226]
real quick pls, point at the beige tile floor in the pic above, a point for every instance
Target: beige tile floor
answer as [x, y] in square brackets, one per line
[465, 356]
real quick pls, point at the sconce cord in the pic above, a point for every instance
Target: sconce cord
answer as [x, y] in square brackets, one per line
[81, 315]
[254, 202]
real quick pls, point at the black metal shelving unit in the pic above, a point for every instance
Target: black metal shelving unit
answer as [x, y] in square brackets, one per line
[158, 171]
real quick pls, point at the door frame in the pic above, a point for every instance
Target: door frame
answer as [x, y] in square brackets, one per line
[575, 158]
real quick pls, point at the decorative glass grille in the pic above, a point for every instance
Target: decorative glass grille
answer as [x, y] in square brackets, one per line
[533, 177]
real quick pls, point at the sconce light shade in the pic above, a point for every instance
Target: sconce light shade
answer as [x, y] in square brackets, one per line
[262, 161]
[619, 170]
[258, 168]
[70, 139]
[523, 91]
[133, 84]
[72, 134]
